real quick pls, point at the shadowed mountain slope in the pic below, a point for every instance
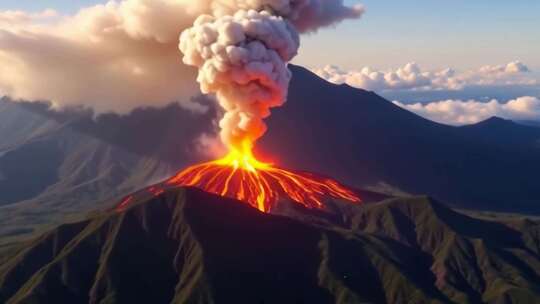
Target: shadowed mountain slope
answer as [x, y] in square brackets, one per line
[364, 139]
[187, 246]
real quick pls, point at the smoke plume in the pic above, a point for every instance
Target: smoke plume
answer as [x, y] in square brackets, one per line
[123, 54]
[242, 49]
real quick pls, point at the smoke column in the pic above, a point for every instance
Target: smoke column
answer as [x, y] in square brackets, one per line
[242, 49]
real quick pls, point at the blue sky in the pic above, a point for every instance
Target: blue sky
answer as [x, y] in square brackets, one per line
[459, 33]
[462, 34]
[36, 5]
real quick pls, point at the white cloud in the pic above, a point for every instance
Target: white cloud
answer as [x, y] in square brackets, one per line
[511, 68]
[111, 57]
[459, 112]
[411, 77]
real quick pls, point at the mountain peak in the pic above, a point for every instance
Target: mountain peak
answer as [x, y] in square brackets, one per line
[495, 120]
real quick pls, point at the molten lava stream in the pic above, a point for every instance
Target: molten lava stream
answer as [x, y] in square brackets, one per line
[241, 176]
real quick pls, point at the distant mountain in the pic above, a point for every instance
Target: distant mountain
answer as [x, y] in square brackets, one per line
[43, 152]
[364, 139]
[187, 246]
[55, 165]
[530, 123]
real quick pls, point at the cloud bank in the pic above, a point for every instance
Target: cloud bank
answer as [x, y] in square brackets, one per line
[122, 54]
[459, 112]
[412, 77]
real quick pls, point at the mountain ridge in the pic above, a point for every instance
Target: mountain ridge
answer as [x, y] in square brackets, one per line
[187, 246]
[364, 139]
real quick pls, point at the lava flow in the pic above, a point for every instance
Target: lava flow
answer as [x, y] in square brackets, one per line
[241, 176]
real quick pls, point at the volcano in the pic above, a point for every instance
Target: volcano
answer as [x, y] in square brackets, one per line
[261, 185]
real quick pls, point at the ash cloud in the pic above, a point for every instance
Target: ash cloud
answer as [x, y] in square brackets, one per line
[122, 54]
[243, 59]
[242, 50]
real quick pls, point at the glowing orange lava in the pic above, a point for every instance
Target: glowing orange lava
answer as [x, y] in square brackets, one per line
[241, 176]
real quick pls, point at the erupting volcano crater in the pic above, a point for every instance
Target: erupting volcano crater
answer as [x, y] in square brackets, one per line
[241, 176]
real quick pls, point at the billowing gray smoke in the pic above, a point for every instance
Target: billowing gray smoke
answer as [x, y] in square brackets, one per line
[242, 49]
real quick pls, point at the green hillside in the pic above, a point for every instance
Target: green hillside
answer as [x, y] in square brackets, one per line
[187, 246]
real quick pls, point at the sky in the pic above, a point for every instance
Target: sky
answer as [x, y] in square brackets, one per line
[462, 34]
[455, 62]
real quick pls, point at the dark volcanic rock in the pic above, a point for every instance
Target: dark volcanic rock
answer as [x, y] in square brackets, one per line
[362, 139]
[187, 246]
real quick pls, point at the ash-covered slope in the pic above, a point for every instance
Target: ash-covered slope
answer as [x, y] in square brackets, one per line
[187, 246]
